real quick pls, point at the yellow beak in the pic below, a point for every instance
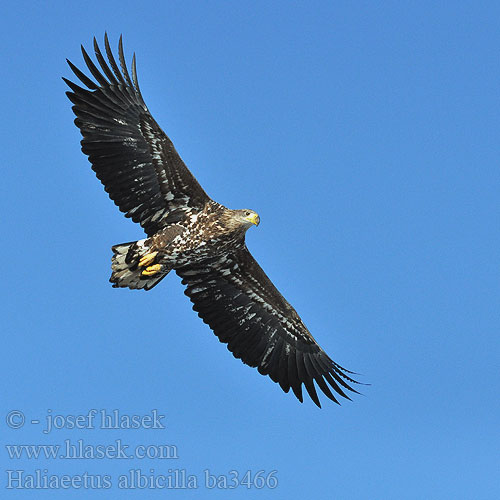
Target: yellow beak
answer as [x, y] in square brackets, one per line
[253, 218]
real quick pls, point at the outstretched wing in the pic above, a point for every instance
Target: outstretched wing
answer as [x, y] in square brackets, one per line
[134, 159]
[238, 301]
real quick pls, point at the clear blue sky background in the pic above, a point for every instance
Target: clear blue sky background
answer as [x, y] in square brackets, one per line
[366, 134]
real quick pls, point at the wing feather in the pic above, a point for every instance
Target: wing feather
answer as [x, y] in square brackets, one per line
[112, 61]
[130, 154]
[123, 64]
[241, 305]
[104, 65]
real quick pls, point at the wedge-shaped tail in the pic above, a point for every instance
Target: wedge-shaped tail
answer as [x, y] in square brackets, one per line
[128, 271]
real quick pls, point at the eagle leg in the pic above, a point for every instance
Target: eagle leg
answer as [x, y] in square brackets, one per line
[147, 259]
[151, 270]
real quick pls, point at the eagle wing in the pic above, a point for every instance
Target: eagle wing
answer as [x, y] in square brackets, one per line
[130, 154]
[241, 305]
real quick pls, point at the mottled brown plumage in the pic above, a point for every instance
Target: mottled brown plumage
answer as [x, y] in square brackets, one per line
[203, 241]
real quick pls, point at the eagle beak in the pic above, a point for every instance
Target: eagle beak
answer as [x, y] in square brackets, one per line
[253, 218]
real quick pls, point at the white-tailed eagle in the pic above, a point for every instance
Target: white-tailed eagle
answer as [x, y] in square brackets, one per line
[187, 231]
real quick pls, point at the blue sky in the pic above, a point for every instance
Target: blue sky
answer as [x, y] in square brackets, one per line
[367, 138]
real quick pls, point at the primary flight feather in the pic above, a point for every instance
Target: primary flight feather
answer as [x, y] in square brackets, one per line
[187, 231]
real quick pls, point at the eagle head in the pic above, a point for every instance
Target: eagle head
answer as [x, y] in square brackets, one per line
[247, 217]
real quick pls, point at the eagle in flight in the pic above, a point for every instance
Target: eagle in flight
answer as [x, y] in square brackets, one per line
[188, 232]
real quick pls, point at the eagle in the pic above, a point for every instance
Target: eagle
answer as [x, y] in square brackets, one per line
[188, 232]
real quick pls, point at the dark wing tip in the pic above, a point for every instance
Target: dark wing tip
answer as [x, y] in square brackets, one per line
[312, 392]
[112, 60]
[74, 87]
[121, 57]
[297, 390]
[135, 79]
[346, 370]
[81, 76]
[316, 368]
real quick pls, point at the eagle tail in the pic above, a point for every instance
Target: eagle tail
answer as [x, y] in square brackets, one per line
[127, 273]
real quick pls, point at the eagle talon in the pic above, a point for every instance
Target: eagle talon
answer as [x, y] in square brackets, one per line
[151, 270]
[147, 259]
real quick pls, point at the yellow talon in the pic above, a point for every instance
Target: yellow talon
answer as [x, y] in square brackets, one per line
[151, 270]
[147, 259]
